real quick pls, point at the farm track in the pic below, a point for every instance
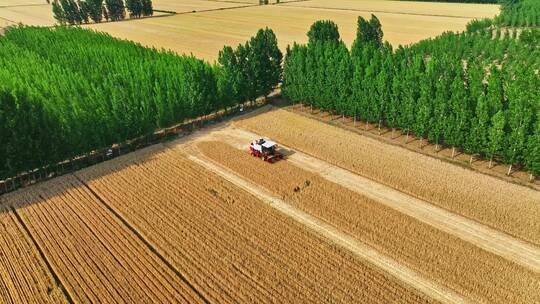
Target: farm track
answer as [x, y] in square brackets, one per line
[447, 260]
[96, 257]
[495, 203]
[362, 251]
[24, 275]
[487, 238]
[232, 247]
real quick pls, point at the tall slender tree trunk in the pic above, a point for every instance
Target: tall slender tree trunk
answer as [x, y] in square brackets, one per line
[367, 124]
[380, 121]
[509, 170]
[311, 109]
[453, 152]
[343, 117]
[491, 162]
[407, 137]
[354, 121]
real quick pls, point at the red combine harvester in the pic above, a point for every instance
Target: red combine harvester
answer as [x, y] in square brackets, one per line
[265, 149]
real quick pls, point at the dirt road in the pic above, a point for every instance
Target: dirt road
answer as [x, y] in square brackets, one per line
[484, 237]
[330, 233]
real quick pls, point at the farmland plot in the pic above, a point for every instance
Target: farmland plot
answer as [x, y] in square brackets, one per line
[94, 255]
[24, 276]
[401, 7]
[232, 247]
[480, 276]
[29, 15]
[204, 34]
[508, 207]
[185, 6]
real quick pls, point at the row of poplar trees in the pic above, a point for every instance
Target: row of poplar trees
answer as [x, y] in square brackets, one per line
[469, 91]
[84, 11]
[67, 91]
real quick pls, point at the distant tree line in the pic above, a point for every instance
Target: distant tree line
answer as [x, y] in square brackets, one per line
[477, 91]
[519, 13]
[67, 91]
[84, 11]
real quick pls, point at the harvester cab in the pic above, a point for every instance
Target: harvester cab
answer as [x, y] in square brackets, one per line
[265, 149]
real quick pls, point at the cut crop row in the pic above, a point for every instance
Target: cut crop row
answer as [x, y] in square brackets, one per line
[444, 258]
[97, 257]
[24, 276]
[232, 247]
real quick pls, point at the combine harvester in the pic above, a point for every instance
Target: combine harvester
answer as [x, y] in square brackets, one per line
[266, 150]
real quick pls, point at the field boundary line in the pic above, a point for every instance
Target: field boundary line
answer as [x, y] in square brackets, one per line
[143, 239]
[43, 256]
[376, 11]
[332, 234]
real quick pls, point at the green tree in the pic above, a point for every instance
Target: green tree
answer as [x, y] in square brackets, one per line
[59, 13]
[95, 10]
[135, 8]
[84, 11]
[519, 115]
[147, 8]
[323, 30]
[229, 77]
[264, 60]
[376, 35]
[532, 159]
[116, 10]
[460, 113]
[496, 136]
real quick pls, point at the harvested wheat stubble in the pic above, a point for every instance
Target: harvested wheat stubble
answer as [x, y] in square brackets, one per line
[505, 206]
[232, 247]
[461, 266]
[94, 255]
[24, 276]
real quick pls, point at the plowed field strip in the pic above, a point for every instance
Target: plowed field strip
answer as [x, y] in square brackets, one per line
[24, 274]
[504, 206]
[487, 238]
[100, 258]
[229, 245]
[362, 251]
[447, 260]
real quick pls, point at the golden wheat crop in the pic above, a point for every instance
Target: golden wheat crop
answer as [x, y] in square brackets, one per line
[505, 206]
[232, 247]
[96, 257]
[475, 273]
[24, 276]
